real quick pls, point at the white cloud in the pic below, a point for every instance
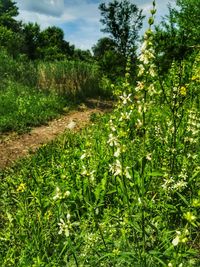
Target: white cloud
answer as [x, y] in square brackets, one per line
[49, 7]
[83, 15]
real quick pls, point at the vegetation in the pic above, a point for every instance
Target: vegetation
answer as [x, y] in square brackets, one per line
[122, 20]
[178, 36]
[113, 203]
[32, 94]
[123, 192]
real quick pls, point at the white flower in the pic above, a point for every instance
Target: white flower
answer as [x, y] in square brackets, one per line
[58, 194]
[117, 152]
[176, 240]
[127, 173]
[126, 98]
[63, 228]
[66, 194]
[116, 168]
[148, 157]
[141, 70]
[112, 141]
[140, 86]
[83, 156]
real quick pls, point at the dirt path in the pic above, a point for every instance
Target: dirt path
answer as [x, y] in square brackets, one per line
[13, 146]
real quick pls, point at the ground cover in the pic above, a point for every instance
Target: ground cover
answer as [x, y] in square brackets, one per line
[122, 192]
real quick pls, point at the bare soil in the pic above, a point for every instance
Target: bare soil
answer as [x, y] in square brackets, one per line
[14, 146]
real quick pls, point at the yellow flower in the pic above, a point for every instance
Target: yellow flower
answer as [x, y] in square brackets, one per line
[183, 91]
[189, 216]
[194, 78]
[21, 187]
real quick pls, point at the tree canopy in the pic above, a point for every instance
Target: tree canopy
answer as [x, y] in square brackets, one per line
[122, 20]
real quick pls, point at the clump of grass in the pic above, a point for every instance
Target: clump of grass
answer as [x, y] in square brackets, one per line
[22, 107]
[72, 78]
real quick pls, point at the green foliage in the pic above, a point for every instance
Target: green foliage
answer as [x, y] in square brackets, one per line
[19, 70]
[11, 41]
[123, 192]
[22, 107]
[71, 78]
[8, 11]
[178, 36]
[122, 20]
[103, 45]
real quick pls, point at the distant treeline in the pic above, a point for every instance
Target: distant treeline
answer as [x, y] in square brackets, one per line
[176, 38]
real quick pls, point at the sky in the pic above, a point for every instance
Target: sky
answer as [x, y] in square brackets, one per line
[79, 19]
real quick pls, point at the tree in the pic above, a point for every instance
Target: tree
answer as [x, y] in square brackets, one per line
[104, 44]
[31, 32]
[111, 62]
[53, 46]
[122, 20]
[188, 19]
[8, 11]
[178, 36]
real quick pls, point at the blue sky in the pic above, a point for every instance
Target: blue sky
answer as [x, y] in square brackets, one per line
[79, 19]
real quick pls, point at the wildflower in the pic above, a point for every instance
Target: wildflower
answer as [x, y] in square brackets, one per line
[140, 86]
[117, 152]
[116, 168]
[179, 185]
[112, 141]
[127, 173]
[21, 187]
[176, 240]
[66, 194]
[58, 194]
[83, 156]
[141, 70]
[189, 216]
[64, 228]
[125, 98]
[183, 91]
[148, 157]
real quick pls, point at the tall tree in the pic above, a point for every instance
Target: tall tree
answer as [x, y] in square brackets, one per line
[53, 46]
[178, 36]
[122, 20]
[31, 32]
[8, 12]
[104, 44]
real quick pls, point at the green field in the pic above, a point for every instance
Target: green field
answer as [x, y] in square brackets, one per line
[31, 94]
[123, 192]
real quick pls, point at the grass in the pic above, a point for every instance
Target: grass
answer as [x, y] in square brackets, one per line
[71, 78]
[33, 93]
[122, 192]
[22, 107]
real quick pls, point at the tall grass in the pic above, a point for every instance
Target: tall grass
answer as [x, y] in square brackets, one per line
[71, 78]
[31, 93]
[123, 192]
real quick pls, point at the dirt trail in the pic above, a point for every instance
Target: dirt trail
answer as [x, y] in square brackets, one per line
[13, 146]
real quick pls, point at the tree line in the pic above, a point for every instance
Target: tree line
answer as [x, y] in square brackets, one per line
[176, 38]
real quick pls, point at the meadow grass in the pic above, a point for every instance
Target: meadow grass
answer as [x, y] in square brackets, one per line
[22, 107]
[123, 192]
[71, 78]
[33, 93]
